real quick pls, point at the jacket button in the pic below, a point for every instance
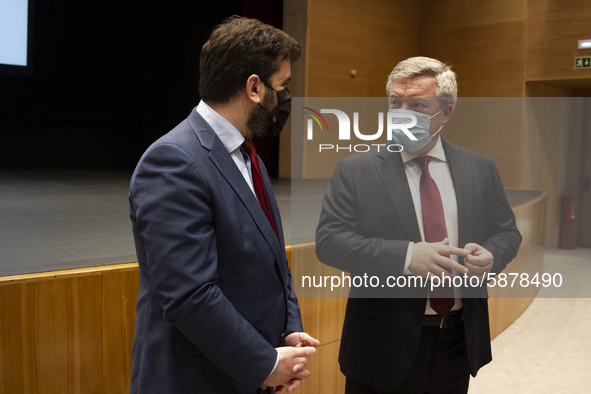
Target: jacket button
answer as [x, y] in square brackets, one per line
[417, 318]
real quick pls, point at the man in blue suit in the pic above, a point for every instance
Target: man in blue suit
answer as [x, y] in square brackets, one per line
[214, 311]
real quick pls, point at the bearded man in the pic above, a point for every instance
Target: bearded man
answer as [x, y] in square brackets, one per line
[214, 311]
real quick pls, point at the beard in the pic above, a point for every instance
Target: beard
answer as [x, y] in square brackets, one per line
[259, 122]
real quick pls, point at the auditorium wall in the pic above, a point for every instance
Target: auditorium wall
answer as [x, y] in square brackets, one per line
[506, 48]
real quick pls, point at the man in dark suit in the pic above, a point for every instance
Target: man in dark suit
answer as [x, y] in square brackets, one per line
[433, 209]
[215, 312]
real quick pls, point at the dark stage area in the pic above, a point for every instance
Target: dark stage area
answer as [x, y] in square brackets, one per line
[109, 78]
[64, 219]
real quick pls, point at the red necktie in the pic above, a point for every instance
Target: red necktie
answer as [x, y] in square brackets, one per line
[257, 181]
[442, 298]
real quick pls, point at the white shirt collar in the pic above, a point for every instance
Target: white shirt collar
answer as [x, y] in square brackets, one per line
[436, 152]
[227, 133]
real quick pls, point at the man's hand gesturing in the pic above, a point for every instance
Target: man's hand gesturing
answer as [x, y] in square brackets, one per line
[432, 259]
[479, 262]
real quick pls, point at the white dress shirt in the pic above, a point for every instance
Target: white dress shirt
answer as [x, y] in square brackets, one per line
[439, 170]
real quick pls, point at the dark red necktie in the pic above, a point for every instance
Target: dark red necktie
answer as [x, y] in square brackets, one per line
[442, 298]
[257, 181]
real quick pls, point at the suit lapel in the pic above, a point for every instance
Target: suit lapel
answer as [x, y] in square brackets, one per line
[391, 170]
[461, 174]
[225, 164]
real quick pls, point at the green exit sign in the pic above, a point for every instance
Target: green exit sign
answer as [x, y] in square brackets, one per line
[583, 62]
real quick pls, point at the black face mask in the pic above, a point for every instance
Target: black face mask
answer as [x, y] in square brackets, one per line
[281, 112]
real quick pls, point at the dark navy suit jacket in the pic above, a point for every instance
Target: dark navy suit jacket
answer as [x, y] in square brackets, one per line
[215, 287]
[366, 224]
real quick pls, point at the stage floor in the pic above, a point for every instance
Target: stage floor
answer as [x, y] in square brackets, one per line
[64, 219]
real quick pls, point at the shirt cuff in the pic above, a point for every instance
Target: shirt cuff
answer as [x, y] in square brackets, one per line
[408, 258]
[275, 367]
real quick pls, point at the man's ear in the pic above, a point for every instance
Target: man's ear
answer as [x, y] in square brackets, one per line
[448, 112]
[254, 91]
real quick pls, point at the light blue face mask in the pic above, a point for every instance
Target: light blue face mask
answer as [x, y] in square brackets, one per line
[418, 127]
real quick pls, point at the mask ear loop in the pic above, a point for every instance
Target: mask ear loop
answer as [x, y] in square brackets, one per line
[431, 117]
[437, 132]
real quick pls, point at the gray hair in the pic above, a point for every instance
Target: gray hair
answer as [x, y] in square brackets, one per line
[447, 87]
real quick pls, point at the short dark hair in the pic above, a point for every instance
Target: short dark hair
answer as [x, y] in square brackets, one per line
[238, 48]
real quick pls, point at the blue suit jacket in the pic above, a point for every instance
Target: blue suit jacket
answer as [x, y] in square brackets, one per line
[215, 287]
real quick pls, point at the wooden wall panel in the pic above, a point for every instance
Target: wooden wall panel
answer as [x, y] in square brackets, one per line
[437, 14]
[335, 46]
[552, 45]
[369, 37]
[551, 151]
[305, 263]
[531, 219]
[387, 46]
[51, 340]
[492, 127]
[84, 331]
[491, 53]
[67, 335]
[336, 50]
[17, 339]
[505, 152]
[295, 22]
[545, 89]
[323, 317]
[391, 37]
[51, 330]
[494, 47]
[119, 296]
[327, 85]
[585, 92]
[558, 8]
[504, 311]
[326, 377]
[583, 214]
